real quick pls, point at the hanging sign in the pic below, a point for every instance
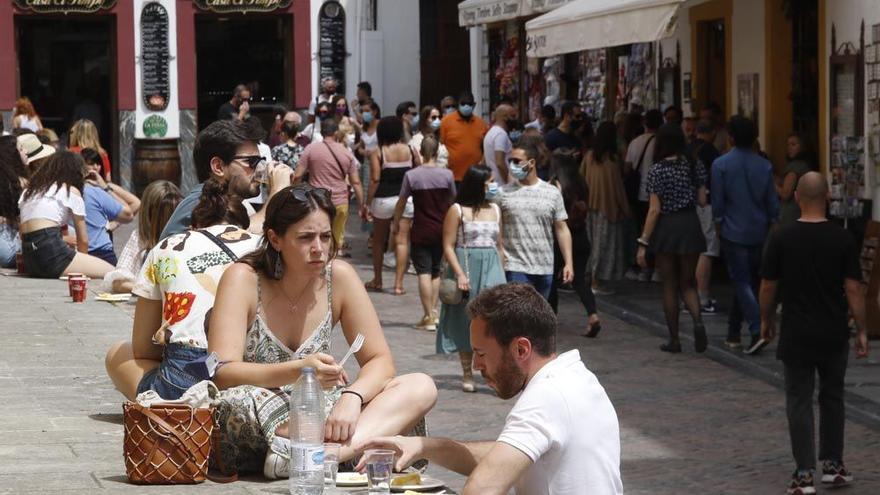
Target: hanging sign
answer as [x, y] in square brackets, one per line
[64, 6]
[242, 6]
[331, 53]
[154, 56]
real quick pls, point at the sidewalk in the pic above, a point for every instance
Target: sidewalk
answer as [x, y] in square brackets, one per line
[640, 303]
[688, 424]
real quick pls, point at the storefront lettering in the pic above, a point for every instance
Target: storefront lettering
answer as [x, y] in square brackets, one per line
[64, 6]
[242, 6]
[535, 42]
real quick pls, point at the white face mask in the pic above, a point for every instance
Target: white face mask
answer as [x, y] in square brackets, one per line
[349, 140]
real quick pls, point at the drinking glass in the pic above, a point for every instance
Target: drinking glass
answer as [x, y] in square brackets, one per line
[331, 464]
[261, 173]
[379, 465]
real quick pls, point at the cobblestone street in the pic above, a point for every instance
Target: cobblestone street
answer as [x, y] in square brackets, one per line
[689, 424]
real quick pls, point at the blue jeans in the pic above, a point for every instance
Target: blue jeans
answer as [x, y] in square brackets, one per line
[10, 244]
[743, 265]
[170, 380]
[541, 283]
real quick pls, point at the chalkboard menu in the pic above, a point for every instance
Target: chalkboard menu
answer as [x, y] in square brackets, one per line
[154, 56]
[331, 53]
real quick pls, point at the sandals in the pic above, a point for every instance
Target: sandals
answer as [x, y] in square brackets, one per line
[372, 286]
[397, 291]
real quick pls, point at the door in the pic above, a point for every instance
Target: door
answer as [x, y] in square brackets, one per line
[67, 68]
[711, 59]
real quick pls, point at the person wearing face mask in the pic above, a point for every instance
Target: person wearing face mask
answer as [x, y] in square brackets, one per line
[497, 144]
[289, 151]
[328, 91]
[366, 145]
[462, 134]
[532, 212]
[429, 125]
[448, 105]
[364, 94]
[408, 113]
[566, 135]
[312, 132]
[348, 126]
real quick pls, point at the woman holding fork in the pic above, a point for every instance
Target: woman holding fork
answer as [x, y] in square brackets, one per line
[274, 315]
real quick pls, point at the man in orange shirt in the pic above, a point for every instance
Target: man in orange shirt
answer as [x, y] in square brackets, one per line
[462, 132]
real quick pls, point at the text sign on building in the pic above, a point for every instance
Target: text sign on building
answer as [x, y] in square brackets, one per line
[154, 56]
[64, 6]
[331, 52]
[242, 6]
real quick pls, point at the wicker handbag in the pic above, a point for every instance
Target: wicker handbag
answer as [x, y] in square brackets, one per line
[449, 292]
[167, 444]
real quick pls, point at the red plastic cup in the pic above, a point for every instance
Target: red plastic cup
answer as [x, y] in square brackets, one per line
[78, 288]
[19, 263]
[70, 277]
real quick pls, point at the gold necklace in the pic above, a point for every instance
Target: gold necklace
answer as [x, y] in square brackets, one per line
[294, 304]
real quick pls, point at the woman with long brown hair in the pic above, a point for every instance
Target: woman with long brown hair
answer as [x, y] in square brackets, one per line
[274, 315]
[54, 196]
[12, 181]
[25, 117]
[84, 134]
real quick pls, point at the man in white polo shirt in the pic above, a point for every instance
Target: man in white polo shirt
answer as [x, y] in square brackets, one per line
[561, 437]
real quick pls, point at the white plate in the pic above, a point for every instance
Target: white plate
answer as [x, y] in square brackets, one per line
[351, 479]
[427, 484]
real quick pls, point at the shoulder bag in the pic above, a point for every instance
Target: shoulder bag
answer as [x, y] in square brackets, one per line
[168, 444]
[633, 181]
[449, 291]
[348, 189]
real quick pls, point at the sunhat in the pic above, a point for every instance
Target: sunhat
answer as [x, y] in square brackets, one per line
[34, 148]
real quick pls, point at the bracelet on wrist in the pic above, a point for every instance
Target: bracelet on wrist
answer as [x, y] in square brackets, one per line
[352, 392]
[642, 242]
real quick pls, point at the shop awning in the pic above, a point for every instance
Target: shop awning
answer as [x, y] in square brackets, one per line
[588, 24]
[476, 12]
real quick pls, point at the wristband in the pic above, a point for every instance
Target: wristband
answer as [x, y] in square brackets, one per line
[352, 392]
[642, 242]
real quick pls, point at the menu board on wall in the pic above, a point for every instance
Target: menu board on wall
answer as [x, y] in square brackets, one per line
[331, 52]
[154, 57]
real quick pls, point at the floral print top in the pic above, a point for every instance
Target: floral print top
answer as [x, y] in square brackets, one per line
[676, 183]
[288, 154]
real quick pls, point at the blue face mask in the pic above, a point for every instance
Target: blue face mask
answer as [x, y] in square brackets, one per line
[415, 122]
[367, 116]
[518, 171]
[435, 124]
[448, 110]
[515, 135]
[466, 110]
[492, 190]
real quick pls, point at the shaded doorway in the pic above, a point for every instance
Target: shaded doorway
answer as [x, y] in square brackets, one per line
[445, 52]
[67, 67]
[804, 15]
[252, 50]
[712, 65]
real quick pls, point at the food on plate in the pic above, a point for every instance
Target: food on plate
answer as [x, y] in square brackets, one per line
[408, 479]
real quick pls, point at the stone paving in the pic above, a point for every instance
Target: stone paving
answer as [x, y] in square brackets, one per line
[689, 423]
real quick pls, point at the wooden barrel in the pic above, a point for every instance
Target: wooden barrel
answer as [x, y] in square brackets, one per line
[155, 160]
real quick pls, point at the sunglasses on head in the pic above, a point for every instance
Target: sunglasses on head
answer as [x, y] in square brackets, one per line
[302, 193]
[252, 161]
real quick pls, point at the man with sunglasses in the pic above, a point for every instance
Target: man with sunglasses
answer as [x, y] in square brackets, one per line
[409, 114]
[227, 150]
[533, 212]
[238, 106]
[462, 133]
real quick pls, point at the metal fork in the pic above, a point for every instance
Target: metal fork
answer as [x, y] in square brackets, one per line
[355, 346]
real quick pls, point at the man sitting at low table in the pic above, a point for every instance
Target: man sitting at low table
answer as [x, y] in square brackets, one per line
[561, 437]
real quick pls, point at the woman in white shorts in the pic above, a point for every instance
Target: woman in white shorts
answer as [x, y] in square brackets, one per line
[387, 168]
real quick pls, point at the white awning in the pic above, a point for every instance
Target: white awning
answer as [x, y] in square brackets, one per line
[588, 24]
[476, 12]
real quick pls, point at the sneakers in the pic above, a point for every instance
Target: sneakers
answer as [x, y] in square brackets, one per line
[834, 473]
[277, 463]
[644, 277]
[801, 483]
[389, 260]
[632, 274]
[710, 308]
[436, 316]
[733, 344]
[755, 346]
[427, 323]
[599, 291]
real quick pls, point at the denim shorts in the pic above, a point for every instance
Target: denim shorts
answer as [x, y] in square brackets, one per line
[169, 380]
[45, 254]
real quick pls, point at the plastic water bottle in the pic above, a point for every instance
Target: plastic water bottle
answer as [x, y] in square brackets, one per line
[307, 435]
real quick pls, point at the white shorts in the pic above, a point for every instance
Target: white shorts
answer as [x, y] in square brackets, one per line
[383, 208]
[713, 244]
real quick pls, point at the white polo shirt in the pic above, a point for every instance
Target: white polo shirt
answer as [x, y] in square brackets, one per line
[567, 426]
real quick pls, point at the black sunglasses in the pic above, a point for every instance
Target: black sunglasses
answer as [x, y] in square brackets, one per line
[302, 193]
[252, 161]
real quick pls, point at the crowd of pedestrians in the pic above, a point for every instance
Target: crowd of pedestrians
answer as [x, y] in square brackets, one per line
[250, 264]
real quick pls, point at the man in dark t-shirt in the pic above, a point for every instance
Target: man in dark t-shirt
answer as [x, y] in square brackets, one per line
[565, 134]
[817, 263]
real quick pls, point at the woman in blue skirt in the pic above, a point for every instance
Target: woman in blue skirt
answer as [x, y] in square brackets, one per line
[472, 247]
